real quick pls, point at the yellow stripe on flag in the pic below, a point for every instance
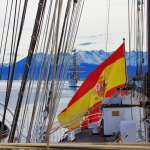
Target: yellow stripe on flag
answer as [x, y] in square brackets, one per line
[115, 74]
[72, 117]
[101, 83]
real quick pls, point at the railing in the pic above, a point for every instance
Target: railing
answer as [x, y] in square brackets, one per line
[77, 146]
[92, 118]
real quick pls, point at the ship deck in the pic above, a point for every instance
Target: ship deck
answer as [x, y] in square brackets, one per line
[86, 136]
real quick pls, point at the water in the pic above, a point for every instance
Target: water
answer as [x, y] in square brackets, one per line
[67, 93]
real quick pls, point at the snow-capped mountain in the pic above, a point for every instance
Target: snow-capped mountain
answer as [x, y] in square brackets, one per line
[87, 61]
[98, 56]
[91, 57]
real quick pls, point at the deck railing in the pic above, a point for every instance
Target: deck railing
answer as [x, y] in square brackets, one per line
[75, 146]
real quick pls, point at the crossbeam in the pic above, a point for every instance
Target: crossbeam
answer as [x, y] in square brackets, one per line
[77, 146]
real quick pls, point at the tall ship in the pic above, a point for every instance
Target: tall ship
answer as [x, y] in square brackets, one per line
[109, 106]
[73, 71]
[42, 33]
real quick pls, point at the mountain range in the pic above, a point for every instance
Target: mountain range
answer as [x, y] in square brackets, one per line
[86, 61]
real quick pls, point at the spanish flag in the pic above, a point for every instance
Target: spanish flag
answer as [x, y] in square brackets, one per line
[102, 82]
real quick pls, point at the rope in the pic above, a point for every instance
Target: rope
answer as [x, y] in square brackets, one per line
[130, 38]
[56, 89]
[52, 40]
[52, 88]
[5, 44]
[43, 58]
[4, 26]
[10, 80]
[26, 108]
[129, 28]
[107, 28]
[50, 122]
[39, 85]
[107, 24]
[8, 89]
[47, 50]
[41, 8]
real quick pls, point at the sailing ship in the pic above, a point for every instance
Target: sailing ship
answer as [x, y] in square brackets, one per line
[114, 118]
[88, 113]
[54, 39]
[73, 75]
[34, 102]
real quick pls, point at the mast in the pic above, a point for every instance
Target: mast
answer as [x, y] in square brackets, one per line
[73, 74]
[147, 79]
[148, 35]
[74, 65]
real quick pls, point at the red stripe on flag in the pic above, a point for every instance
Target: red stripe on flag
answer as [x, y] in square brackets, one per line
[92, 79]
[94, 116]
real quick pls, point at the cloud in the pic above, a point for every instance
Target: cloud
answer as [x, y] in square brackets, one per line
[86, 43]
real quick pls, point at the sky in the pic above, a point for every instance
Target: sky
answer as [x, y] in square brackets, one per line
[92, 30]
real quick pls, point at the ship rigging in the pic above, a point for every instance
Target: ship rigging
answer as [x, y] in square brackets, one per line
[54, 32]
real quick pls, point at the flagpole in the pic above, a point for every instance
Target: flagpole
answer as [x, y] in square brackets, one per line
[125, 60]
[148, 35]
[127, 81]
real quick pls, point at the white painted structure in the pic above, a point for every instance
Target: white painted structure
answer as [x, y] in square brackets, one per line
[128, 131]
[113, 116]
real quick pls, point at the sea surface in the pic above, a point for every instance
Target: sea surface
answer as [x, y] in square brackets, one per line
[67, 93]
